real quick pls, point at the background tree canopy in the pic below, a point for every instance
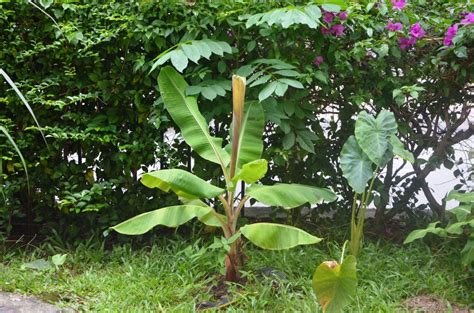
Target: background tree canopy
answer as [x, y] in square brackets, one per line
[89, 71]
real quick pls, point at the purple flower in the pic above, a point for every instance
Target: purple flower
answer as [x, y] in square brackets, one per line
[417, 31]
[405, 43]
[398, 4]
[449, 35]
[394, 26]
[325, 31]
[328, 17]
[230, 33]
[343, 16]
[337, 30]
[318, 60]
[469, 19]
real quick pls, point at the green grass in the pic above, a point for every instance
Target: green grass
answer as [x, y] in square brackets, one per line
[173, 276]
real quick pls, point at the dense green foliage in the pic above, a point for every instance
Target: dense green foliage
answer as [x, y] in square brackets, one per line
[86, 72]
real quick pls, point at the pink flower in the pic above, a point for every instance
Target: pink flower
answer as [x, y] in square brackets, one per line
[343, 16]
[398, 4]
[405, 43]
[328, 17]
[394, 26]
[469, 19]
[325, 31]
[449, 35]
[337, 30]
[417, 31]
[318, 60]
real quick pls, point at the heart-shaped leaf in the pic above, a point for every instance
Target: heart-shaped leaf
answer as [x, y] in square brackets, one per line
[356, 165]
[335, 284]
[373, 134]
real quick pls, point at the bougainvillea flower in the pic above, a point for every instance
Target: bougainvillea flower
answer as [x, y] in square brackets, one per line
[394, 26]
[469, 19]
[337, 30]
[328, 17]
[449, 35]
[405, 43]
[343, 16]
[325, 31]
[398, 4]
[417, 31]
[318, 60]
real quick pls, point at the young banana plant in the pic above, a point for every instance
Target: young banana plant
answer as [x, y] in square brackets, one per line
[243, 163]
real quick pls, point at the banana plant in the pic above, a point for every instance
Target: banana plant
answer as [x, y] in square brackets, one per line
[240, 161]
[363, 155]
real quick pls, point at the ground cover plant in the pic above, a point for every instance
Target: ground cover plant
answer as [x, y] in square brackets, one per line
[241, 161]
[172, 274]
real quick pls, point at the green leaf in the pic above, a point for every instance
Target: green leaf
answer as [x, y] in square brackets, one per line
[335, 284]
[185, 113]
[372, 134]
[399, 150]
[172, 216]
[420, 233]
[276, 236]
[252, 171]
[356, 165]
[293, 83]
[287, 73]
[289, 140]
[331, 7]
[250, 146]
[461, 212]
[40, 265]
[183, 183]
[191, 52]
[45, 3]
[280, 89]
[267, 91]
[466, 197]
[179, 60]
[467, 253]
[290, 195]
[210, 219]
[59, 259]
[458, 228]
[321, 76]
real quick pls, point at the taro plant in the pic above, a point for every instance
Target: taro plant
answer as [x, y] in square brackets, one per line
[239, 161]
[460, 226]
[363, 155]
[335, 283]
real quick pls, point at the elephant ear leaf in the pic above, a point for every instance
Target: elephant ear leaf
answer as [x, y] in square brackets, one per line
[399, 150]
[184, 184]
[276, 236]
[335, 284]
[290, 195]
[356, 165]
[372, 134]
[172, 216]
[185, 113]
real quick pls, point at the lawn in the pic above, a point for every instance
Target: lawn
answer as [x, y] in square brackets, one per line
[177, 275]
